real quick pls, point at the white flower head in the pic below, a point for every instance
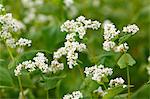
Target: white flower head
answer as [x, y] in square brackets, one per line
[23, 42]
[40, 61]
[131, 29]
[121, 48]
[73, 95]
[116, 82]
[98, 72]
[108, 45]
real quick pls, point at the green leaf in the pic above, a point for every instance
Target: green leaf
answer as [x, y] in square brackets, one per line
[5, 78]
[50, 83]
[142, 93]
[113, 92]
[88, 86]
[124, 38]
[125, 60]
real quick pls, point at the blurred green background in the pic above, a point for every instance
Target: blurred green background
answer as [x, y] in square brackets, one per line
[47, 36]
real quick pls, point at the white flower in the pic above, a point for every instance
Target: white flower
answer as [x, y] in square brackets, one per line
[11, 42]
[23, 42]
[116, 82]
[73, 95]
[56, 66]
[40, 61]
[70, 37]
[18, 69]
[71, 46]
[98, 72]
[108, 45]
[121, 48]
[69, 26]
[80, 19]
[100, 91]
[68, 3]
[131, 29]
[110, 31]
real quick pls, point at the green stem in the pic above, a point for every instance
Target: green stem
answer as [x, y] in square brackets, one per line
[128, 77]
[47, 95]
[20, 85]
[10, 53]
[104, 86]
[81, 72]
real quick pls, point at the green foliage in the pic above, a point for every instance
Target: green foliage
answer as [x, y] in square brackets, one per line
[111, 93]
[142, 93]
[126, 60]
[124, 38]
[6, 80]
[51, 82]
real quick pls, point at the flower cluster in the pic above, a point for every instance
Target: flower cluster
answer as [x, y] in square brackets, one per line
[111, 34]
[31, 12]
[98, 72]
[9, 25]
[74, 95]
[40, 61]
[115, 82]
[72, 46]
[131, 29]
[23, 42]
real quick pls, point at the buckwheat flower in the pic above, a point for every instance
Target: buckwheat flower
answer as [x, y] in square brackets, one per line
[4, 34]
[68, 3]
[60, 52]
[108, 45]
[100, 91]
[69, 26]
[68, 96]
[77, 95]
[98, 72]
[95, 25]
[116, 82]
[23, 42]
[29, 65]
[40, 61]
[82, 31]
[81, 47]
[11, 42]
[131, 29]
[80, 19]
[56, 66]
[121, 48]
[110, 31]
[18, 69]
[70, 37]
[71, 59]
[73, 95]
